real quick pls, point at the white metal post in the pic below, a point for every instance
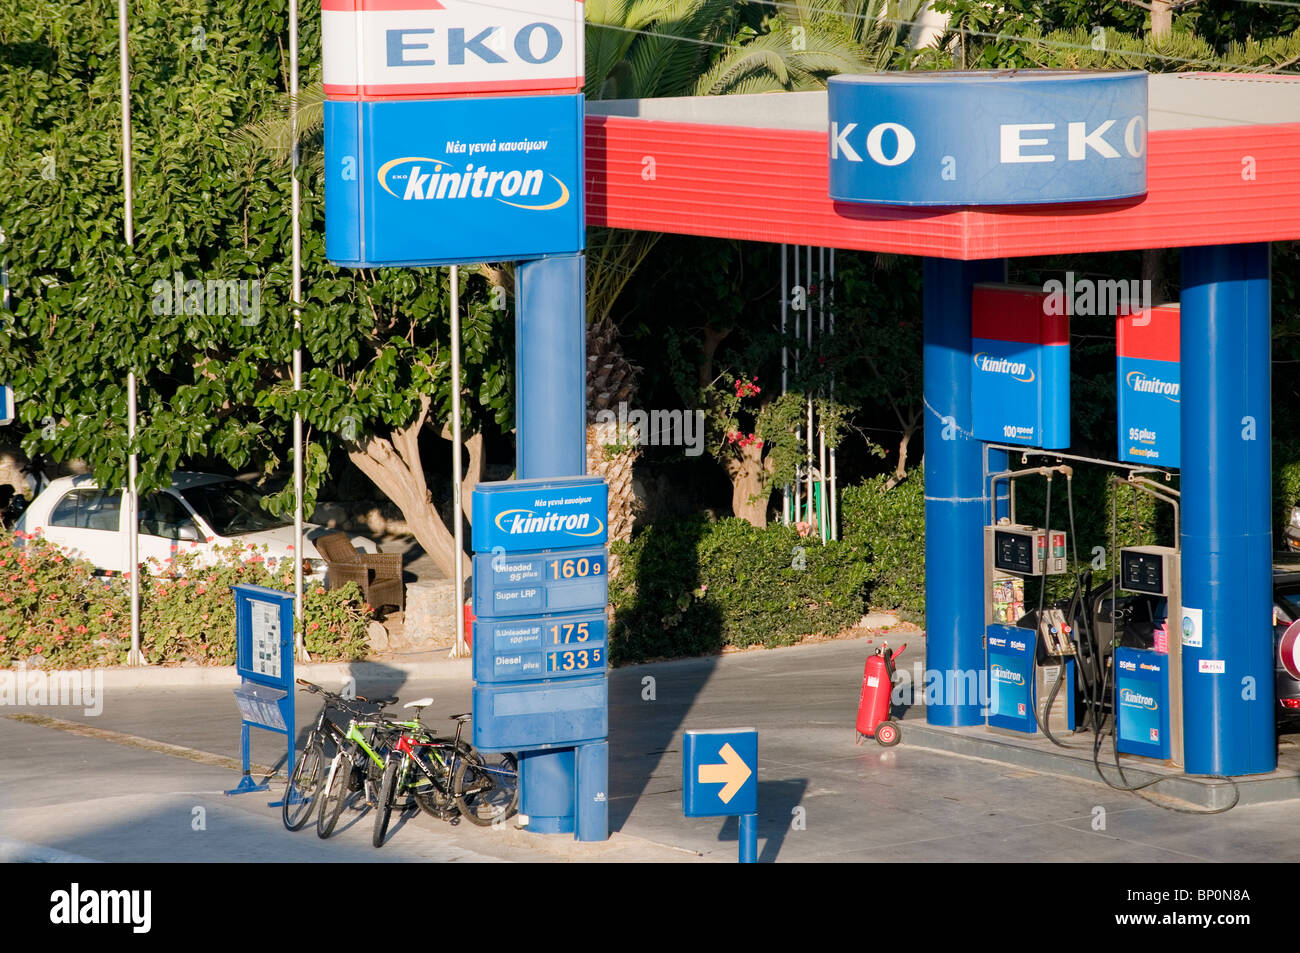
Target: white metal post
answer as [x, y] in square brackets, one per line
[785, 367]
[458, 521]
[821, 424]
[296, 192]
[136, 657]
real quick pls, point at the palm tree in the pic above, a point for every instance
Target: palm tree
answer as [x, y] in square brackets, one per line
[638, 49]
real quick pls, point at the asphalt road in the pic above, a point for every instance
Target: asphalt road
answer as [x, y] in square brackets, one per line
[821, 797]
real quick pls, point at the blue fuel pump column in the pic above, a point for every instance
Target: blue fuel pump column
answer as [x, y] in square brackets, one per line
[1226, 509]
[561, 791]
[956, 494]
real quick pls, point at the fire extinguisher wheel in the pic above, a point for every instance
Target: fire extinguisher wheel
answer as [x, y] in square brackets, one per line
[887, 734]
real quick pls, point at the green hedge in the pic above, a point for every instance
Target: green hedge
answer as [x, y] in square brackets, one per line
[690, 586]
[886, 528]
[56, 613]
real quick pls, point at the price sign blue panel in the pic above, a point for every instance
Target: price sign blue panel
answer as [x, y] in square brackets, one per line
[1142, 690]
[1011, 678]
[429, 182]
[518, 516]
[1020, 385]
[1013, 137]
[6, 404]
[720, 772]
[558, 646]
[530, 716]
[553, 582]
[1149, 379]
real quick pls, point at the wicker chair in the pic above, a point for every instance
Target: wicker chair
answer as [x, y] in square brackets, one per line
[377, 575]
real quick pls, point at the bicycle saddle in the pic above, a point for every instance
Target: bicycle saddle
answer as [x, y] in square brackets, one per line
[419, 703]
[465, 716]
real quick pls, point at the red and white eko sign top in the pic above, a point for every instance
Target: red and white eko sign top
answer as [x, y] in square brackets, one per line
[378, 49]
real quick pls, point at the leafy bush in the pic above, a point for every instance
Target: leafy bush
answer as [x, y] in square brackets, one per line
[690, 586]
[56, 613]
[886, 528]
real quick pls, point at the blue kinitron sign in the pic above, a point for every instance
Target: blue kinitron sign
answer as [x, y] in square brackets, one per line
[540, 592]
[446, 181]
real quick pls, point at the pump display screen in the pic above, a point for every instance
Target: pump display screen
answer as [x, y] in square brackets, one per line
[1142, 572]
[1013, 552]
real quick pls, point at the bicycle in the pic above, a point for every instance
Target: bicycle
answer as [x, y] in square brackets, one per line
[358, 765]
[427, 770]
[304, 781]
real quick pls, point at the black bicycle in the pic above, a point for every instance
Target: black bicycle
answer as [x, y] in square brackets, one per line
[302, 790]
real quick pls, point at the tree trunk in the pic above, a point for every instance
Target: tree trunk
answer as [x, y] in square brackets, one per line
[1162, 19]
[393, 465]
[748, 498]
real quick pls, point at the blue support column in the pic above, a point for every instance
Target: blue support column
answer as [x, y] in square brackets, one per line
[1227, 538]
[551, 441]
[956, 497]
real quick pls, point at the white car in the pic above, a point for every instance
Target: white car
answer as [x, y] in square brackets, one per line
[198, 512]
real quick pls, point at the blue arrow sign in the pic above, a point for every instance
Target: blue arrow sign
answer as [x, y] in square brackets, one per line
[720, 772]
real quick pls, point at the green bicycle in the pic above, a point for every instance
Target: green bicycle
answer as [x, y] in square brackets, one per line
[357, 765]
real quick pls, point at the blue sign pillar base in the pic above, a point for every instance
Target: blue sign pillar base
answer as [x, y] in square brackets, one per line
[749, 838]
[592, 807]
[547, 790]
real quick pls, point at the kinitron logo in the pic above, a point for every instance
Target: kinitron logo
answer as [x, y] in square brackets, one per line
[993, 365]
[433, 180]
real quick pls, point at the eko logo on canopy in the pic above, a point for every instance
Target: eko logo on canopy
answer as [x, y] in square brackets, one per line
[422, 48]
[997, 138]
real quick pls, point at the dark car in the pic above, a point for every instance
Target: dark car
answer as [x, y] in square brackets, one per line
[1286, 610]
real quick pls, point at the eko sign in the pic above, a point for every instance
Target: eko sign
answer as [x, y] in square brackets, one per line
[427, 48]
[1014, 138]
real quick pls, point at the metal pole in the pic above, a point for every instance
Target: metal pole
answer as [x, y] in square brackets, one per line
[128, 225]
[133, 521]
[835, 509]
[798, 431]
[785, 371]
[821, 424]
[458, 519]
[808, 469]
[298, 449]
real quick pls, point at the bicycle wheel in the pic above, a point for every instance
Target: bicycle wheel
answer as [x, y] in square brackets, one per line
[387, 798]
[335, 794]
[302, 787]
[437, 799]
[487, 788]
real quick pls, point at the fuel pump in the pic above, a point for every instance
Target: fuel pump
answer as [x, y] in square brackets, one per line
[1030, 668]
[1147, 678]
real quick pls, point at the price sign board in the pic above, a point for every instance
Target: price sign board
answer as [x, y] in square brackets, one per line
[541, 646]
[553, 582]
[557, 646]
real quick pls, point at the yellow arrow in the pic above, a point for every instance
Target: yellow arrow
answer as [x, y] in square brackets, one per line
[731, 774]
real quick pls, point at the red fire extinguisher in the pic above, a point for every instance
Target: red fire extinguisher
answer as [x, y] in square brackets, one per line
[873, 705]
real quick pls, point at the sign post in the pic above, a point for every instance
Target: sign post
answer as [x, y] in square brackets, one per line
[264, 660]
[720, 779]
[541, 643]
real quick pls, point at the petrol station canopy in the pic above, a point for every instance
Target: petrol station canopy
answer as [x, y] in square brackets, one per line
[1221, 169]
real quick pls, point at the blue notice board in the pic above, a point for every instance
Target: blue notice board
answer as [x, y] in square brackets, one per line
[264, 661]
[720, 772]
